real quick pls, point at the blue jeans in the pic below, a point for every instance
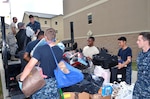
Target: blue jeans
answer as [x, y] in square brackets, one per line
[128, 74]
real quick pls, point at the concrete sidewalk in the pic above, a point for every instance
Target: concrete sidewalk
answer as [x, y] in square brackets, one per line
[134, 76]
[2, 73]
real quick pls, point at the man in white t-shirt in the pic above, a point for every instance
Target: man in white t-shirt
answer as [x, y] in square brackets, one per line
[90, 50]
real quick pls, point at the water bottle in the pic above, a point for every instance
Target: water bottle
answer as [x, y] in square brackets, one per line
[107, 90]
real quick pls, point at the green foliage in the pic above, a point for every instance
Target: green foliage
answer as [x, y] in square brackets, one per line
[134, 66]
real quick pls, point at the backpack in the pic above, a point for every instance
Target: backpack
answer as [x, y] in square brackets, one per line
[105, 59]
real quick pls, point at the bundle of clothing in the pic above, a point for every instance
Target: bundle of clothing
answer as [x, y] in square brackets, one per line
[104, 59]
[76, 59]
[91, 84]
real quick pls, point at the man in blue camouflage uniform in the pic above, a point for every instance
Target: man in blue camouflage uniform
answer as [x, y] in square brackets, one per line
[125, 56]
[142, 85]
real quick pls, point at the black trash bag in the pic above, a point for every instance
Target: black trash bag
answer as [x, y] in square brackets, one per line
[113, 61]
[105, 59]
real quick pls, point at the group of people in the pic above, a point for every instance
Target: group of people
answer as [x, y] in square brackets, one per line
[17, 41]
[124, 54]
[44, 55]
[142, 85]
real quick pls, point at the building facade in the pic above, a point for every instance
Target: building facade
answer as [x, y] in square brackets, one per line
[107, 20]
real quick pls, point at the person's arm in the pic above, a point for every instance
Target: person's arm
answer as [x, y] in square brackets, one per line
[37, 32]
[13, 30]
[124, 64]
[26, 56]
[28, 68]
[38, 28]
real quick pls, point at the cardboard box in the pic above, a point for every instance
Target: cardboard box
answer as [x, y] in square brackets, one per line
[75, 95]
[83, 95]
[98, 96]
[69, 95]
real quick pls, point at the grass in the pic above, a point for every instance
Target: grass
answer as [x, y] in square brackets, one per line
[134, 66]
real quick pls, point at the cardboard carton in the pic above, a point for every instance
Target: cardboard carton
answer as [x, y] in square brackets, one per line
[75, 95]
[83, 95]
[98, 96]
[69, 95]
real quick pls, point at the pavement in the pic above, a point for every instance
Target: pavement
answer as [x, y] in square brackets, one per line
[5, 91]
[2, 74]
[134, 76]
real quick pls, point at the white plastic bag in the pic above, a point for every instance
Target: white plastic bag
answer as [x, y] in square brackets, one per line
[105, 73]
[30, 33]
[122, 90]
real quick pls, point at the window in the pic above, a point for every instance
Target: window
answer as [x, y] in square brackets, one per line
[45, 22]
[90, 19]
[56, 23]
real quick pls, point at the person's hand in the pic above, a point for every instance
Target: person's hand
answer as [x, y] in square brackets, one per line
[20, 84]
[88, 58]
[41, 72]
[120, 65]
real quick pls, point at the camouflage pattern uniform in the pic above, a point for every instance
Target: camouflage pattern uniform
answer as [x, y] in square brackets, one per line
[142, 85]
[11, 40]
[49, 91]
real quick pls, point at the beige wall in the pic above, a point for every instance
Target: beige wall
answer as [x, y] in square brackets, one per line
[113, 16]
[148, 11]
[42, 21]
[25, 19]
[111, 19]
[58, 27]
[73, 5]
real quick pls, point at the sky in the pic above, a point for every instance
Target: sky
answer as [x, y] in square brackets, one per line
[19, 6]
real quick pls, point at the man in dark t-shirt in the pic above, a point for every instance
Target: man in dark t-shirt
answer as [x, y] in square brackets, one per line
[125, 55]
[35, 25]
[46, 58]
[31, 45]
[43, 54]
